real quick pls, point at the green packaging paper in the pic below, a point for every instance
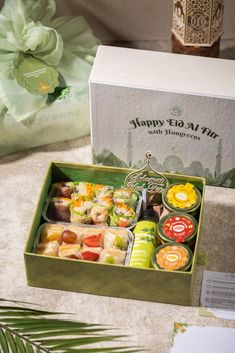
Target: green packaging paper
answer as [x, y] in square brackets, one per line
[53, 106]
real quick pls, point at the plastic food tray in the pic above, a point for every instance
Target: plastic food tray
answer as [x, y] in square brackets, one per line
[68, 226]
[49, 215]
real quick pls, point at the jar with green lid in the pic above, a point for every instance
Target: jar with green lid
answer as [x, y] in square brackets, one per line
[179, 197]
[177, 227]
[172, 257]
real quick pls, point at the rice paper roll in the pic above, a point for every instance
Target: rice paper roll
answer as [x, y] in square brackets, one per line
[103, 191]
[99, 215]
[64, 189]
[75, 195]
[122, 215]
[80, 211]
[112, 256]
[86, 190]
[60, 207]
[116, 239]
[104, 201]
[126, 196]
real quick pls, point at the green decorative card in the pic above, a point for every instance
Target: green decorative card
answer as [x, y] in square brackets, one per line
[36, 76]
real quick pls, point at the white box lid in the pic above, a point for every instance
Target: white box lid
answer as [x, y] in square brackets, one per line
[164, 71]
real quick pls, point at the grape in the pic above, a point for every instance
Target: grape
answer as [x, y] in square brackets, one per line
[68, 237]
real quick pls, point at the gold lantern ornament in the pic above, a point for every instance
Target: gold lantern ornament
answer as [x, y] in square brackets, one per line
[197, 26]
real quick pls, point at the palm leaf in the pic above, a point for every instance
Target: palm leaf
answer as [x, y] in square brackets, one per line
[26, 330]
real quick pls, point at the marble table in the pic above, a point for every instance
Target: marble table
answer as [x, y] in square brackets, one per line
[149, 325]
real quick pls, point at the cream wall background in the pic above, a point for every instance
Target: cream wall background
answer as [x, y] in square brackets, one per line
[133, 20]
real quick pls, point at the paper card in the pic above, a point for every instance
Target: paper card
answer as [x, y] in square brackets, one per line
[218, 295]
[194, 339]
[36, 76]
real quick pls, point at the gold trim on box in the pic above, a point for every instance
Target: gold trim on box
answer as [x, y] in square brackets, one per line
[198, 22]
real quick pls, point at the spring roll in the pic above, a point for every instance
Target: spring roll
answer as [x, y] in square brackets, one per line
[99, 215]
[60, 207]
[103, 191]
[122, 215]
[80, 211]
[86, 190]
[126, 196]
[104, 201]
[64, 189]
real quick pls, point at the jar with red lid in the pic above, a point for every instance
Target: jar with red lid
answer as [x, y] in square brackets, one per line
[177, 227]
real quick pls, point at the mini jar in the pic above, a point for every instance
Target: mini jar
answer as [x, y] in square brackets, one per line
[177, 227]
[179, 197]
[172, 257]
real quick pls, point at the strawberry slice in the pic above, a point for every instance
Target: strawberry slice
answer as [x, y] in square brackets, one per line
[90, 256]
[93, 241]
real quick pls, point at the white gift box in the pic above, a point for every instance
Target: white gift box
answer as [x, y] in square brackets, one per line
[181, 108]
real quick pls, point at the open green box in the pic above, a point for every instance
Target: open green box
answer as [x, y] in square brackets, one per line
[105, 279]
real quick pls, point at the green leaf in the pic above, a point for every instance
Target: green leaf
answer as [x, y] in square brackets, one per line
[44, 328]
[11, 341]
[3, 342]
[20, 345]
[16, 314]
[25, 330]
[74, 342]
[33, 312]
[29, 347]
[29, 323]
[66, 332]
[109, 350]
[30, 320]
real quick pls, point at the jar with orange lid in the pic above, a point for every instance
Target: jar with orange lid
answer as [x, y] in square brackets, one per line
[172, 257]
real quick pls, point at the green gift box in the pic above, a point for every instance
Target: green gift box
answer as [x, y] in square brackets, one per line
[173, 287]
